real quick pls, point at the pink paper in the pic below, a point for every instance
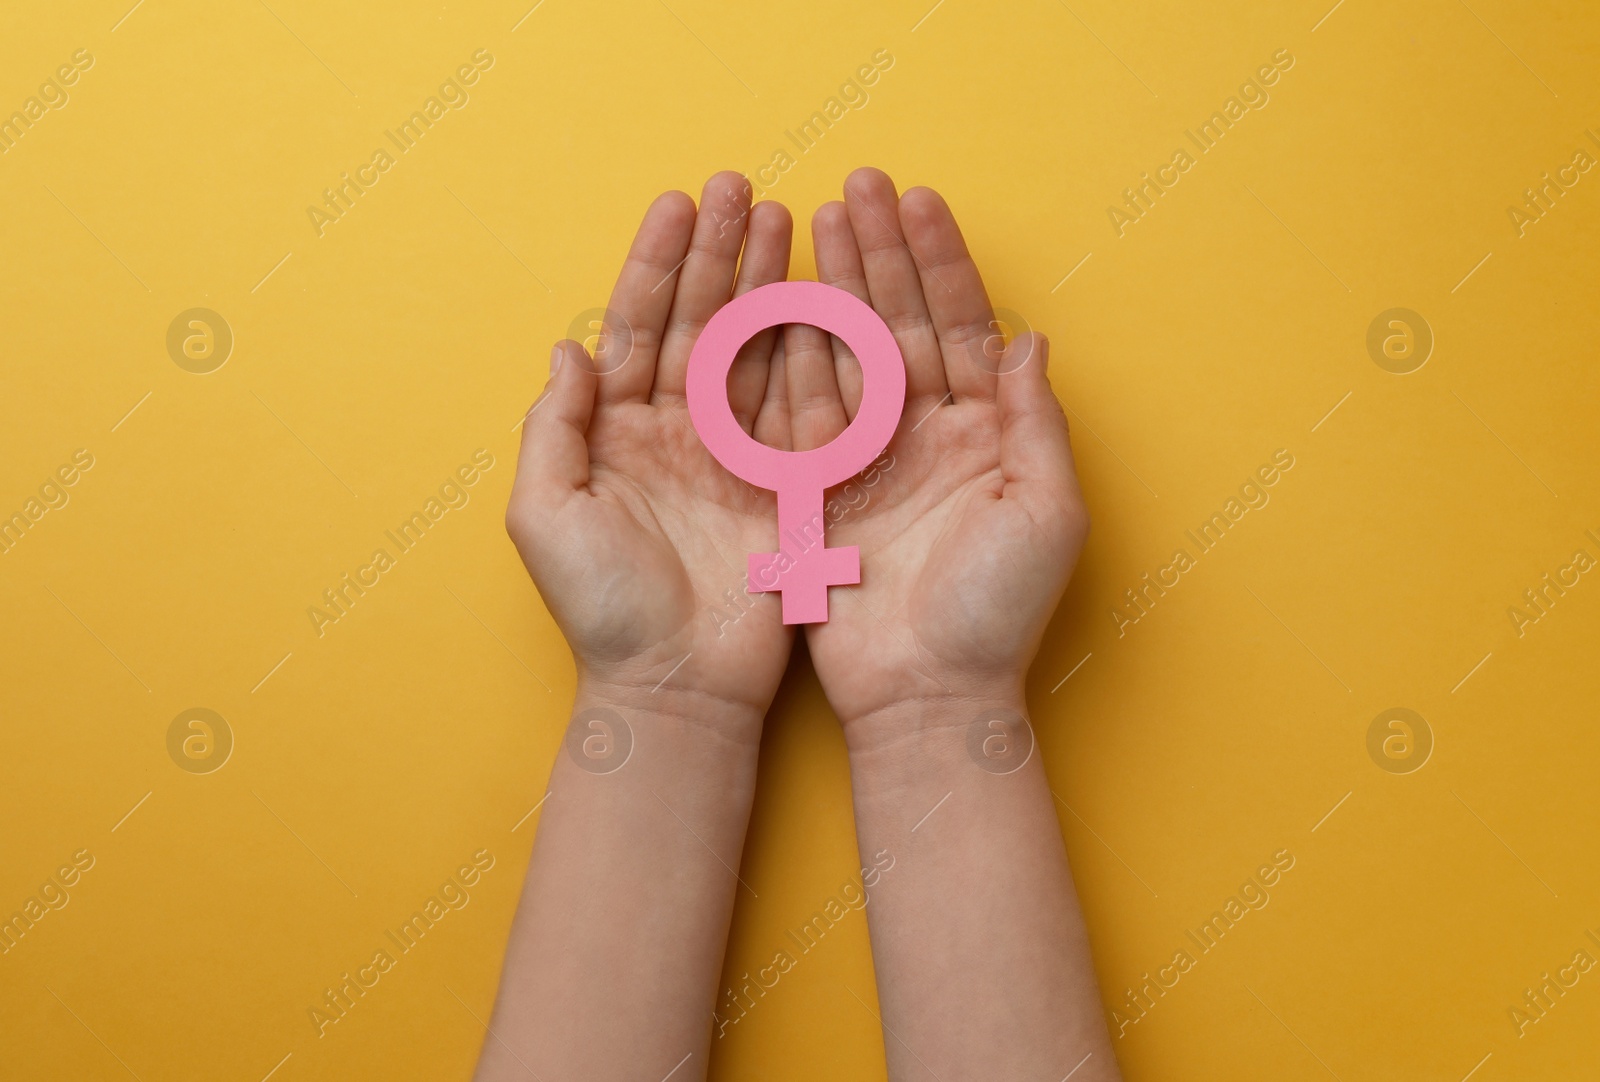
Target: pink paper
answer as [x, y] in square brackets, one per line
[803, 567]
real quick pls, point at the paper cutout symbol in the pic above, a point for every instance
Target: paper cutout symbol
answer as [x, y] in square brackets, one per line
[803, 567]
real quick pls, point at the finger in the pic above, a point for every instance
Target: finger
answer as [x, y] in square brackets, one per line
[839, 265]
[957, 301]
[1035, 452]
[816, 412]
[554, 460]
[706, 280]
[641, 300]
[765, 260]
[772, 423]
[893, 280]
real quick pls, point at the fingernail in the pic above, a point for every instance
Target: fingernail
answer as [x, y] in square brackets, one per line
[555, 358]
[1044, 353]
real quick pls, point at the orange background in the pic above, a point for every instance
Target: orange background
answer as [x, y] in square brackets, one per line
[368, 362]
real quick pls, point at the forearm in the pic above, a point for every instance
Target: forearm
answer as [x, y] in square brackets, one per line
[977, 937]
[616, 950]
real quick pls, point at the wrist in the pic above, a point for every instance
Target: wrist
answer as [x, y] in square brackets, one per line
[978, 756]
[930, 730]
[675, 713]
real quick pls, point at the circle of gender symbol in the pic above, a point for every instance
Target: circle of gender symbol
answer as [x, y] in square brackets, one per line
[803, 567]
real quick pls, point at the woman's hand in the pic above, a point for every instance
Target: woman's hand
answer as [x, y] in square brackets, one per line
[636, 539]
[968, 539]
[635, 536]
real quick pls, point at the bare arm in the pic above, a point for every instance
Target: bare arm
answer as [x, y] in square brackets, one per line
[967, 541]
[982, 960]
[617, 948]
[631, 532]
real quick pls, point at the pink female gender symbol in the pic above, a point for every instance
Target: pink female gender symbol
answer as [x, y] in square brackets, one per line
[803, 567]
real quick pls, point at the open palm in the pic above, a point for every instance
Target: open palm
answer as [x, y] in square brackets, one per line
[634, 535]
[969, 538]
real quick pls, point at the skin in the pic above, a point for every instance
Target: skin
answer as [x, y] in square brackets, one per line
[970, 544]
[633, 534]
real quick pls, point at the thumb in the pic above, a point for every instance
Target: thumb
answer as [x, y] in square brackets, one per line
[1035, 453]
[554, 460]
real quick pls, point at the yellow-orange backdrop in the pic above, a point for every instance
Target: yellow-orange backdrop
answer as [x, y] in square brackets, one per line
[1426, 156]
